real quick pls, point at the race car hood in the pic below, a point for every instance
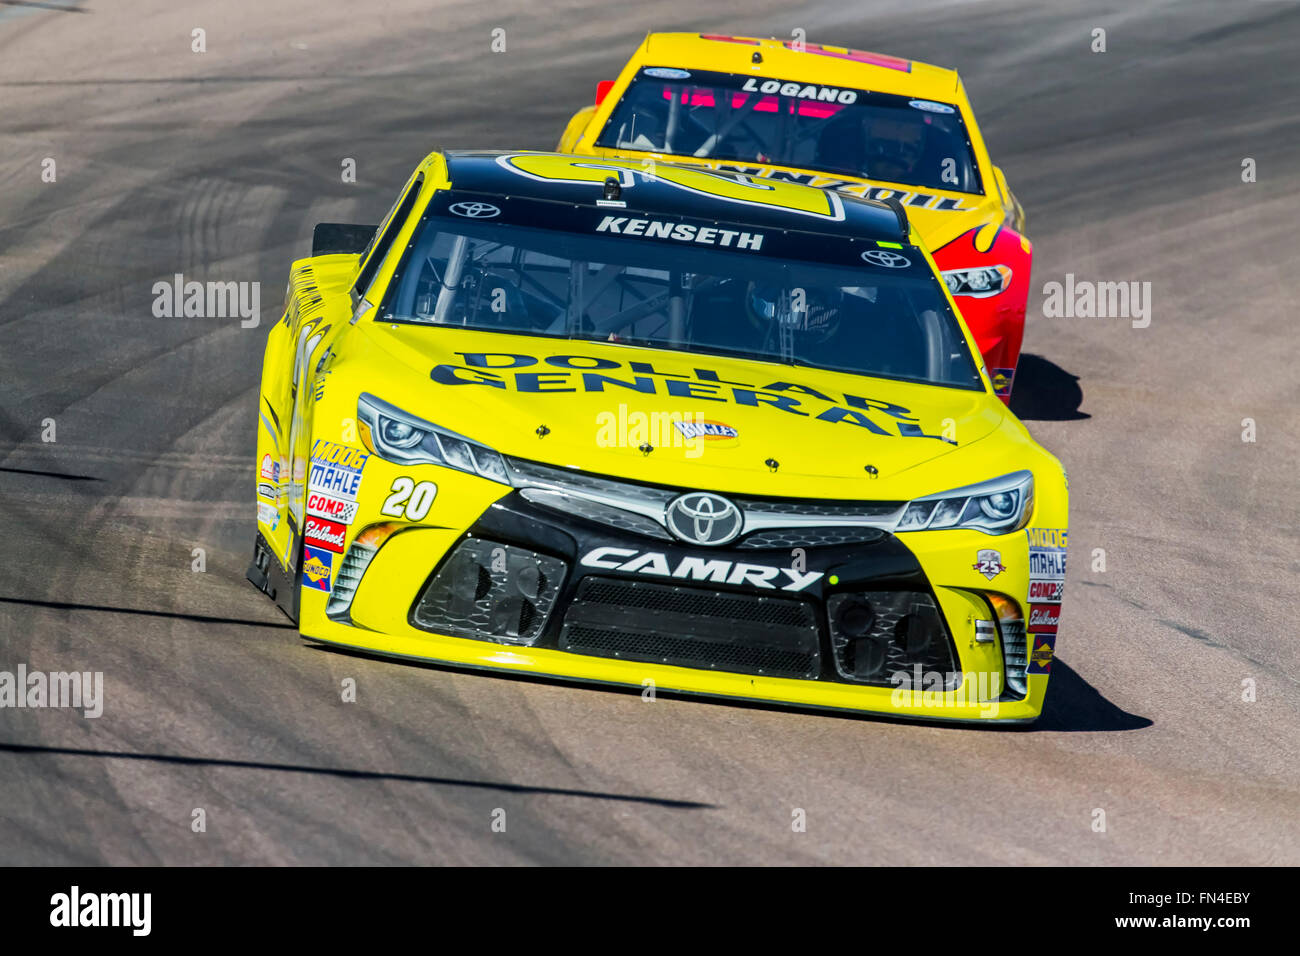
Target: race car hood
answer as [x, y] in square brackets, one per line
[711, 421]
[940, 216]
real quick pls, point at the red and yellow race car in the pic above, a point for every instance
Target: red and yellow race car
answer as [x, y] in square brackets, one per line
[857, 122]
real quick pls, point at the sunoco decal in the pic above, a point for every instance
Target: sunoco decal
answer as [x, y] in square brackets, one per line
[317, 565]
[1042, 651]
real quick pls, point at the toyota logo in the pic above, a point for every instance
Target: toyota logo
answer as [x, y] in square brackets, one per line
[883, 257]
[475, 210]
[703, 518]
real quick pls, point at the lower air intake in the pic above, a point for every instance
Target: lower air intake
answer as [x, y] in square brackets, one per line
[692, 627]
[876, 635]
[490, 591]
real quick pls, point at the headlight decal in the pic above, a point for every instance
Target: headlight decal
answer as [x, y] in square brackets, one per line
[979, 282]
[999, 506]
[402, 438]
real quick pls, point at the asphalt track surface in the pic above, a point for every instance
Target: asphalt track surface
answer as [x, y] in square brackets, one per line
[216, 165]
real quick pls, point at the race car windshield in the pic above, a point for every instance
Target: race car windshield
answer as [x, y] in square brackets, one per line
[721, 116]
[546, 282]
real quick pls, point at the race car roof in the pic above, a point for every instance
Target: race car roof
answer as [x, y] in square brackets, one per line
[810, 62]
[670, 189]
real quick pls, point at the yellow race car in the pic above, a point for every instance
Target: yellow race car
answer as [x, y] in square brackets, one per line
[668, 429]
[859, 122]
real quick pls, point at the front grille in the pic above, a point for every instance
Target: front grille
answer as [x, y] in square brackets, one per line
[692, 627]
[490, 591]
[878, 635]
[597, 512]
[640, 508]
[813, 508]
[787, 538]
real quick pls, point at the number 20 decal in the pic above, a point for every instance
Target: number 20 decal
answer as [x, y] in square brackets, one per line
[409, 500]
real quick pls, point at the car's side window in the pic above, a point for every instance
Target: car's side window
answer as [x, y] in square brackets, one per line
[384, 236]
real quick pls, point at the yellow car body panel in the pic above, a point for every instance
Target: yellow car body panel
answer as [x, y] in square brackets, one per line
[535, 399]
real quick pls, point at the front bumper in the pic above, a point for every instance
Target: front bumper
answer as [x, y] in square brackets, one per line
[527, 588]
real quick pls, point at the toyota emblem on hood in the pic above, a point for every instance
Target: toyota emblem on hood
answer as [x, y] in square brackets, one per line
[703, 518]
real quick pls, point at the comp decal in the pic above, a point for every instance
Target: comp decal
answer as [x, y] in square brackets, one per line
[317, 566]
[1048, 591]
[656, 564]
[327, 506]
[588, 373]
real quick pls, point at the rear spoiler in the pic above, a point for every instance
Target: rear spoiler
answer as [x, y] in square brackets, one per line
[331, 238]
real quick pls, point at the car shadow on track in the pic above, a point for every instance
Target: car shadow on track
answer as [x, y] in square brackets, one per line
[348, 774]
[1045, 392]
[1075, 705]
